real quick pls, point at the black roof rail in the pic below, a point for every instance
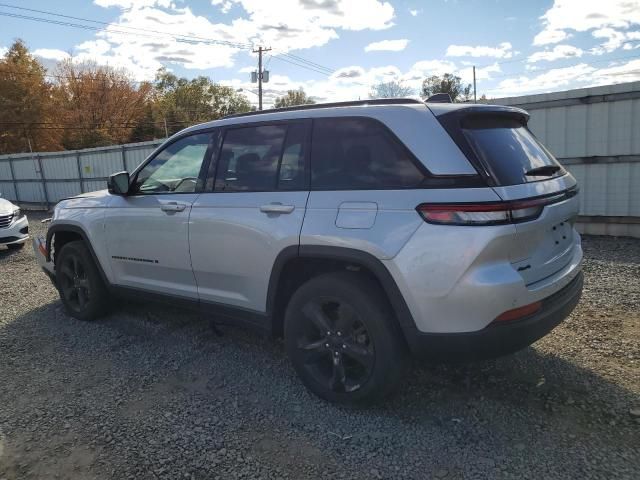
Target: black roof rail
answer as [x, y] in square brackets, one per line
[312, 106]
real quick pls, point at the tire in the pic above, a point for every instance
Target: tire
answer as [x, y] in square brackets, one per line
[79, 283]
[15, 246]
[343, 340]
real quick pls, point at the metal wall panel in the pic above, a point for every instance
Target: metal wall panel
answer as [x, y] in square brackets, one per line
[8, 191]
[60, 166]
[26, 168]
[31, 192]
[5, 171]
[59, 190]
[100, 164]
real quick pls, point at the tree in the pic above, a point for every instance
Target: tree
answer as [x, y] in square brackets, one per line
[392, 89]
[448, 83]
[293, 98]
[27, 115]
[181, 102]
[99, 104]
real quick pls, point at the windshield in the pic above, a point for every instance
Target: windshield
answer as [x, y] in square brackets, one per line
[510, 151]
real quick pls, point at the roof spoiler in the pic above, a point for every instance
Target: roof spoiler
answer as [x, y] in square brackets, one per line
[439, 98]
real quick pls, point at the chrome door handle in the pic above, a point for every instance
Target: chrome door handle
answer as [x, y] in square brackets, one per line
[277, 208]
[172, 207]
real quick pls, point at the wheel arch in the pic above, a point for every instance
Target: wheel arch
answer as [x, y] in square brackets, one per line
[296, 264]
[70, 233]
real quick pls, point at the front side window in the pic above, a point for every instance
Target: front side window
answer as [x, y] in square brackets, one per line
[359, 153]
[261, 158]
[176, 168]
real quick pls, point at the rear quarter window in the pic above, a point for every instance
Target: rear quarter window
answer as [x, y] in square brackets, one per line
[359, 153]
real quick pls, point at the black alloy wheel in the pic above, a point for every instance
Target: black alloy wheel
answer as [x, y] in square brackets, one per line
[82, 289]
[343, 339]
[74, 284]
[335, 344]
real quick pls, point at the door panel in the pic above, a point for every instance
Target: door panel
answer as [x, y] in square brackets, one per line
[235, 239]
[148, 231]
[147, 239]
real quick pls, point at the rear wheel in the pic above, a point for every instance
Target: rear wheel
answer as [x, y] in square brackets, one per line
[81, 288]
[343, 340]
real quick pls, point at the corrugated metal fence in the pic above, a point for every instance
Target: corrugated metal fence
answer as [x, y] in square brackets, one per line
[40, 180]
[594, 132]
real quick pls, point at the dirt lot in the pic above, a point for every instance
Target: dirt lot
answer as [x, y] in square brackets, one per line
[151, 392]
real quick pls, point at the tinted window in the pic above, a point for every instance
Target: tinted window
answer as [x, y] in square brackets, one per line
[249, 158]
[359, 153]
[508, 149]
[176, 168]
[291, 175]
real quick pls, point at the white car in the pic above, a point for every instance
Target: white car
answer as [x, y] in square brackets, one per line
[361, 232]
[14, 226]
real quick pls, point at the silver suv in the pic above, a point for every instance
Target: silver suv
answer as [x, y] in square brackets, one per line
[364, 233]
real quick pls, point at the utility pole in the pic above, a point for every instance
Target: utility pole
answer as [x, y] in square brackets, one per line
[474, 85]
[260, 51]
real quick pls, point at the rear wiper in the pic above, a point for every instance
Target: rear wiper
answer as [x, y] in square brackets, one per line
[545, 171]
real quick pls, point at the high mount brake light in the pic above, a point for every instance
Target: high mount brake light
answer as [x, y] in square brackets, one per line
[495, 213]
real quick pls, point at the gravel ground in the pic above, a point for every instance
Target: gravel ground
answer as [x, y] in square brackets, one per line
[153, 393]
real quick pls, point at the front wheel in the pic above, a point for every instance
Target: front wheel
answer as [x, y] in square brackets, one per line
[81, 288]
[343, 340]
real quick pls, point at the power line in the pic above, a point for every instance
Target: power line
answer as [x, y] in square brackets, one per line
[194, 38]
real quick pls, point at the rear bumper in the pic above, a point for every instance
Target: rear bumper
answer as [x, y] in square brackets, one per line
[498, 339]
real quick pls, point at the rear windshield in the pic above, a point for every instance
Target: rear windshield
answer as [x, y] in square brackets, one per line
[508, 150]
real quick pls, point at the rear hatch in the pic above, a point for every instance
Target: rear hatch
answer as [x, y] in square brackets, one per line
[520, 169]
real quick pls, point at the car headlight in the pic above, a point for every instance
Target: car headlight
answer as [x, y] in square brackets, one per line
[16, 213]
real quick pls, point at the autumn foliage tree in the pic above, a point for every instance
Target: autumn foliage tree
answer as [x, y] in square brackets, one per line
[27, 115]
[179, 102]
[83, 104]
[99, 105]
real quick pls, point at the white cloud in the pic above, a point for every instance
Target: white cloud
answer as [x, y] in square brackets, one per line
[551, 80]
[284, 25]
[504, 50]
[615, 38]
[413, 12]
[247, 69]
[51, 54]
[387, 46]
[3, 51]
[586, 15]
[225, 5]
[547, 37]
[556, 53]
[582, 75]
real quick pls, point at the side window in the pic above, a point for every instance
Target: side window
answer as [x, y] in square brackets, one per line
[291, 173]
[261, 158]
[359, 153]
[176, 168]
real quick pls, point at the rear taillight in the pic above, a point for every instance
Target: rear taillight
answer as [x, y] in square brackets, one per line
[494, 213]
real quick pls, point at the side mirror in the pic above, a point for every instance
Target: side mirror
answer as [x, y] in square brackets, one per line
[118, 183]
